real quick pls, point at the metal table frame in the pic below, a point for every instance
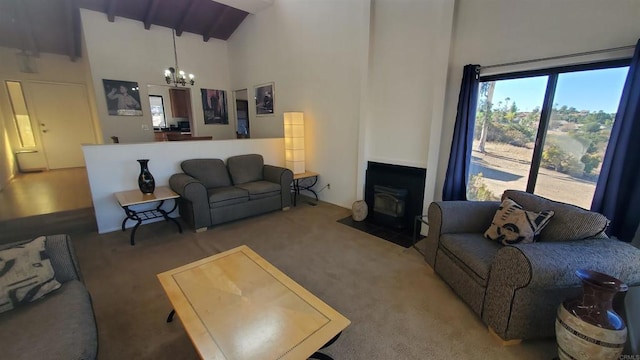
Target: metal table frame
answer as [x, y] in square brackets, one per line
[127, 199]
[297, 187]
[140, 216]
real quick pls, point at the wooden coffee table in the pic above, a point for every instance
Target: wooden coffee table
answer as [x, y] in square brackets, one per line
[236, 305]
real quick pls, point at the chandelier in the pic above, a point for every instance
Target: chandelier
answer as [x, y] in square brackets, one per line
[173, 75]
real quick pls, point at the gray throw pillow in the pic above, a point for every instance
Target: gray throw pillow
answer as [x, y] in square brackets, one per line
[570, 222]
[26, 274]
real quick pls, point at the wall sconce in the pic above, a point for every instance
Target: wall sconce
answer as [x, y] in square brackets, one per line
[294, 141]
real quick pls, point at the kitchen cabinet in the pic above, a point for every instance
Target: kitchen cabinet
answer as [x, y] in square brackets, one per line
[180, 103]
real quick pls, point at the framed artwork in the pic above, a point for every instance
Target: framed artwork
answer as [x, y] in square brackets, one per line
[214, 106]
[265, 99]
[123, 97]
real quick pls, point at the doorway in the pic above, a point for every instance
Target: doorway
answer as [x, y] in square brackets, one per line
[242, 114]
[61, 116]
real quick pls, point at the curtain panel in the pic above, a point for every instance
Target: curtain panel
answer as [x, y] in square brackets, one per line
[455, 183]
[617, 194]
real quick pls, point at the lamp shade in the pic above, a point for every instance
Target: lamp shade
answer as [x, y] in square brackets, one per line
[294, 141]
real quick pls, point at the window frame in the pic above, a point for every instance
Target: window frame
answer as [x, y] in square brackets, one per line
[164, 114]
[547, 105]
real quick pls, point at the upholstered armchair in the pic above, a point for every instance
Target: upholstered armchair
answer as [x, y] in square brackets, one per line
[516, 289]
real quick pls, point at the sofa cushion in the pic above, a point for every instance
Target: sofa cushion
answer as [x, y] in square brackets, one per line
[472, 252]
[227, 195]
[570, 222]
[514, 225]
[59, 326]
[261, 189]
[26, 274]
[212, 173]
[245, 168]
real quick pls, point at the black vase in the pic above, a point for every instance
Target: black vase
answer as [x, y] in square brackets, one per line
[146, 183]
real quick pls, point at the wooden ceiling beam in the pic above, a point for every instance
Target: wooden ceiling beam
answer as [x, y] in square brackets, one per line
[24, 24]
[220, 20]
[70, 22]
[151, 13]
[180, 24]
[111, 10]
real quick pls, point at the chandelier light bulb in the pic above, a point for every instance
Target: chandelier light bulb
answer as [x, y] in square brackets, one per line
[191, 76]
[167, 72]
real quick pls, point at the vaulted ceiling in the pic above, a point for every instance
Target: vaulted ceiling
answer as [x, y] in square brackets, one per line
[53, 26]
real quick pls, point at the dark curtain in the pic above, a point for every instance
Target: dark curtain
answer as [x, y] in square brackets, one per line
[455, 182]
[617, 194]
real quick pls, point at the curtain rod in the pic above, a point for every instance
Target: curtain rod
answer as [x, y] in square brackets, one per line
[559, 57]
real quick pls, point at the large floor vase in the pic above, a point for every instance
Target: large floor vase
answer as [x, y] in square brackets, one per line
[587, 328]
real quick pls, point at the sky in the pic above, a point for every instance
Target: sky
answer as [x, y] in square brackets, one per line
[592, 90]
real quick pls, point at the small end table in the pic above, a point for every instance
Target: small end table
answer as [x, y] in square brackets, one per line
[297, 187]
[136, 197]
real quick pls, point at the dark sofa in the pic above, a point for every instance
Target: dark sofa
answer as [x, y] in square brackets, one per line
[60, 325]
[212, 193]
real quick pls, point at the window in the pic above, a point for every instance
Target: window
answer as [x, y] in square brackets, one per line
[21, 115]
[157, 111]
[544, 131]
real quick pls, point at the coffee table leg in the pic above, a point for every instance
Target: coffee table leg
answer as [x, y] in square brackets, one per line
[320, 356]
[170, 317]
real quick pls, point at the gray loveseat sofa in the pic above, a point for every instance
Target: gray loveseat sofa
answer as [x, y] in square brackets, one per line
[517, 289]
[212, 193]
[61, 325]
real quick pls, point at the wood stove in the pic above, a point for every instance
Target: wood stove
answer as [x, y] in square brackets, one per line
[394, 194]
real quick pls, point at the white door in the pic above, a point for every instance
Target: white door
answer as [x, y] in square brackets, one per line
[62, 115]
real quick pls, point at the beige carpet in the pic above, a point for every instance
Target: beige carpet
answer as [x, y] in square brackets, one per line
[398, 308]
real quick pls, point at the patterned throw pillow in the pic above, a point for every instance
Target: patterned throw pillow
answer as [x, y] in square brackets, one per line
[514, 225]
[570, 222]
[26, 274]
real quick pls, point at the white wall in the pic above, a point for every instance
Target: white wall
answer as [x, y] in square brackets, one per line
[124, 50]
[113, 168]
[409, 58]
[312, 51]
[498, 31]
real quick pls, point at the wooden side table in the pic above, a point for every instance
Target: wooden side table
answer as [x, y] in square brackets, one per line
[297, 186]
[136, 197]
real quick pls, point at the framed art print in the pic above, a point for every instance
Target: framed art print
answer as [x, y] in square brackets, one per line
[264, 96]
[214, 106]
[123, 97]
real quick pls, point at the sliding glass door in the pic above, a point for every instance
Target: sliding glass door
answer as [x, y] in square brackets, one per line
[544, 131]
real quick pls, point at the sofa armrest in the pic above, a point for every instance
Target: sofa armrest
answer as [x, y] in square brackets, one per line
[63, 258]
[282, 176]
[448, 217]
[188, 187]
[194, 200]
[451, 217]
[527, 282]
[553, 264]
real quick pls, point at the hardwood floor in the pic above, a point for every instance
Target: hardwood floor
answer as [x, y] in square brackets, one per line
[51, 202]
[32, 194]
